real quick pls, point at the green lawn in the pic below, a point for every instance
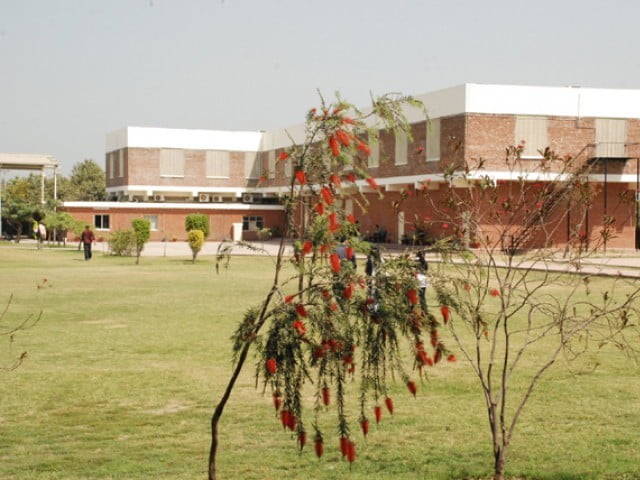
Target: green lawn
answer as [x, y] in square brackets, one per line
[127, 363]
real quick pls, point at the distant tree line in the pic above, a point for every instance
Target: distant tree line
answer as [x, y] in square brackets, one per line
[22, 205]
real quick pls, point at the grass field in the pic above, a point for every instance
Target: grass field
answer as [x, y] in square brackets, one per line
[128, 362]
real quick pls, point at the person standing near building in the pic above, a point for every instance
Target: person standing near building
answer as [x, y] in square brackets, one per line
[87, 238]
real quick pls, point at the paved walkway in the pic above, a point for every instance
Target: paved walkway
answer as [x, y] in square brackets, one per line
[625, 263]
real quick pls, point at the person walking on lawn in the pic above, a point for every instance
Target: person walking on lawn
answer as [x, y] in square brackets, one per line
[87, 238]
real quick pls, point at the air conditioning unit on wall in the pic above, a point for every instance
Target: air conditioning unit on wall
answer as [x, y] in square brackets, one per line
[203, 197]
[158, 198]
[247, 198]
[217, 198]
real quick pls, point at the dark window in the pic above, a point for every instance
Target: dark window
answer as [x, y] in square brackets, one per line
[101, 222]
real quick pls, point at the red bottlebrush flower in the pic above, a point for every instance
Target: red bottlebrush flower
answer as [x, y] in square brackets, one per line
[351, 177]
[434, 338]
[445, 226]
[351, 218]
[583, 234]
[372, 183]
[302, 439]
[318, 352]
[333, 223]
[289, 298]
[412, 295]
[292, 421]
[299, 327]
[334, 146]
[326, 294]
[301, 177]
[466, 286]
[347, 359]
[351, 452]
[307, 247]
[335, 262]
[277, 401]
[411, 385]
[451, 358]
[284, 417]
[494, 292]
[283, 156]
[437, 356]
[344, 445]
[364, 148]
[423, 358]
[326, 395]
[347, 293]
[319, 208]
[335, 179]
[333, 306]
[364, 425]
[446, 313]
[323, 249]
[348, 121]
[419, 150]
[318, 446]
[271, 366]
[327, 196]
[352, 369]
[343, 137]
[300, 310]
[377, 411]
[389, 403]
[538, 205]
[349, 252]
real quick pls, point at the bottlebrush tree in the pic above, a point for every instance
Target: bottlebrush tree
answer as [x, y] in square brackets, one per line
[330, 323]
[499, 282]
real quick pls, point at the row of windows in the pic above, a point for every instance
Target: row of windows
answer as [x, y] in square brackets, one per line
[249, 223]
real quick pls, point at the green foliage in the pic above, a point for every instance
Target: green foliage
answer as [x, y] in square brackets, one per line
[62, 222]
[197, 221]
[142, 233]
[195, 238]
[87, 182]
[122, 243]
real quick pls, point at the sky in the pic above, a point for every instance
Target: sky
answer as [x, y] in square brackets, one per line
[72, 71]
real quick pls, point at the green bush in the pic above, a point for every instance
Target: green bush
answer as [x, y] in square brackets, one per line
[196, 241]
[122, 243]
[197, 221]
[142, 232]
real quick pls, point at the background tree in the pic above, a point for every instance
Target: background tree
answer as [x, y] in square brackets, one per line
[499, 298]
[142, 233]
[21, 204]
[87, 182]
[195, 238]
[197, 221]
[315, 326]
[61, 223]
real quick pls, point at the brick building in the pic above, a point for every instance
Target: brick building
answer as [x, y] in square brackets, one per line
[166, 173]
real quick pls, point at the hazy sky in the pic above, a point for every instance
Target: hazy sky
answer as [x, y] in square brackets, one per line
[73, 70]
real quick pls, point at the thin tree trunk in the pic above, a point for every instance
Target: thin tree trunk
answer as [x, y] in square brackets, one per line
[498, 467]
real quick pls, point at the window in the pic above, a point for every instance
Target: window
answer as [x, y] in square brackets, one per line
[110, 163]
[252, 223]
[401, 147]
[251, 165]
[611, 136]
[171, 162]
[374, 158]
[101, 222]
[121, 163]
[288, 167]
[433, 140]
[153, 221]
[271, 163]
[533, 131]
[217, 164]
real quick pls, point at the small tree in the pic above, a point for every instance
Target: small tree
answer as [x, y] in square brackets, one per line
[60, 223]
[141, 232]
[499, 298]
[196, 241]
[316, 326]
[9, 328]
[122, 243]
[197, 221]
